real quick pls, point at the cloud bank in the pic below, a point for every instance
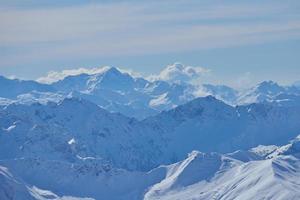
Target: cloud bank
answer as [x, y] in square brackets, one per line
[176, 72]
[54, 76]
[180, 73]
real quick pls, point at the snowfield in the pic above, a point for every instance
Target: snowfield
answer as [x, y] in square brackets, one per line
[138, 97]
[199, 176]
[109, 135]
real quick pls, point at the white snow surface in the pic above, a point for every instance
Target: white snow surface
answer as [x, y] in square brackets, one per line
[119, 91]
[76, 128]
[105, 134]
[199, 176]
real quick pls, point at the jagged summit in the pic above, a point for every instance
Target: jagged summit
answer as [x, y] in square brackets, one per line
[118, 91]
[112, 70]
[206, 99]
[76, 134]
[269, 87]
[198, 107]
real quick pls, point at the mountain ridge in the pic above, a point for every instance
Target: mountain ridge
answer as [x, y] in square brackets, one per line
[137, 97]
[199, 176]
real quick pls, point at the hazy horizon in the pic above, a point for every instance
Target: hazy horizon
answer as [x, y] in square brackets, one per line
[249, 41]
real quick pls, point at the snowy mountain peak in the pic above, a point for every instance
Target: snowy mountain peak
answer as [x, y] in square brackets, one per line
[199, 104]
[113, 75]
[55, 76]
[108, 78]
[208, 106]
[196, 167]
[75, 101]
[112, 71]
[205, 102]
[106, 71]
[269, 82]
[270, 87]
[265, 91]
[176, 65]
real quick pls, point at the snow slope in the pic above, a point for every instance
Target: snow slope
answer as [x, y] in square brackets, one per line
[109, 88]
[78, 138]
[74, 128]
[10, 88]
[265, 91]
[264, 179]
[118, 91]
[208, 124]
[13, 188]
[215, 176]
[199, 176]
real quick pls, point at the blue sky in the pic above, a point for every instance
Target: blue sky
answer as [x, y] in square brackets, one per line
[240, 42]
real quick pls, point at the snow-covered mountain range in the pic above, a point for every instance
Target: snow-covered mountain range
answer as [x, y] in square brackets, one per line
[118, 91]
[264, 172]
[107, 134]
[75, 128]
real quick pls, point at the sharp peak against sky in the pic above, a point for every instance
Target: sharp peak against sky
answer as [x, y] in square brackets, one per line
[171, 73]
[238, 42]
[177, 73]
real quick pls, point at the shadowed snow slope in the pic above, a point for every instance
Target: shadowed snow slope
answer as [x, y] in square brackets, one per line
[208, 124]
[137, 97]
[266, 179]
[108, 135]
[75, 128]
[212, 176]
[199, 176]
[10, 88]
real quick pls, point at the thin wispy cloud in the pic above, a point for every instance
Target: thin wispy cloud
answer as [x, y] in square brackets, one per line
[54, 76]
[102, 30]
